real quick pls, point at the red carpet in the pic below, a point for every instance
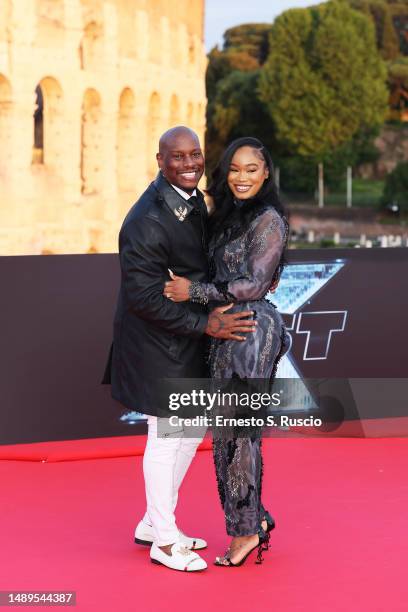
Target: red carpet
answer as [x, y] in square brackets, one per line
[74, 450]
[131, 446]
[341, 541]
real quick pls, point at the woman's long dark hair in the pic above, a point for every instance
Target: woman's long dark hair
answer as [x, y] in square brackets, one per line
[238, 219]
[221, 193]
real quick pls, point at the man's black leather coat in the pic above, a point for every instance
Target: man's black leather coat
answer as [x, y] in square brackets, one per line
[154, 337]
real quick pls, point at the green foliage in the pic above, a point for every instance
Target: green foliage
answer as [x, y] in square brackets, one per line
[398, 71]
[323, 80]
[245, 48]
[327, 243]
[314, 89]
[367, 193]
[359, 149]
[222, 63]
[396, 187]
[233, 108]
[236, 111]
[390, 18]
[250, 38]
[398, 85]
[218, 67]
[389, 39]
[324, 87]
[297, 174]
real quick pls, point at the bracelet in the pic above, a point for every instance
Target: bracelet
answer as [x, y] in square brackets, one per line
[197, 293]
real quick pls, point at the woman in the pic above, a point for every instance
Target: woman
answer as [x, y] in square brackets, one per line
[248, 234]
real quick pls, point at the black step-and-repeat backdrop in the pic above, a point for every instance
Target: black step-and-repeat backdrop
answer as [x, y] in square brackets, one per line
[345, 309]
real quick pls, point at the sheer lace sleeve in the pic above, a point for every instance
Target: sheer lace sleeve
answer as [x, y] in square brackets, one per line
[267, 235]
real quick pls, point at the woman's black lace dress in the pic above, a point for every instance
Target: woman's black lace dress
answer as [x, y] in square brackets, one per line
[244, 258]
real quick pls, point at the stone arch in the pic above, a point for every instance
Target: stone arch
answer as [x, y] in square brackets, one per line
[174, 110]
[5, 123]
[153, 128]
[47, 123]
[91, 46]
[126, 141]
[38, 149]
[91, 143]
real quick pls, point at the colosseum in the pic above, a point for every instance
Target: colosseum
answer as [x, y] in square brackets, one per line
[86, 88]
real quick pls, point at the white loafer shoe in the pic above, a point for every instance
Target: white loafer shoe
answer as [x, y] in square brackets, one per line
[181, 558]
[192, 543]
[144, 536]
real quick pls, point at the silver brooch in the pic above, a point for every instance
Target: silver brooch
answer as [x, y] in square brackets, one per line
[181, 213]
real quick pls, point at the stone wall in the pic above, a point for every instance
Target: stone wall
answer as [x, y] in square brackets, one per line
[113, 75]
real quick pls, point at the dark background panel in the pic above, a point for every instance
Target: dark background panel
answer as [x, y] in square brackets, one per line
[373, 288]
[56, 328]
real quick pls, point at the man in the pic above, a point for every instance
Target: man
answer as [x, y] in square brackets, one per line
[155, 337]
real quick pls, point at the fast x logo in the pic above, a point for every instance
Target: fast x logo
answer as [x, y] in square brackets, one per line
[299, 283]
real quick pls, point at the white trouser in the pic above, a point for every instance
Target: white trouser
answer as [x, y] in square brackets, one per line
[165, 463]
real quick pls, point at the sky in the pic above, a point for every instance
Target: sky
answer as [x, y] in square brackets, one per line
[223, 14]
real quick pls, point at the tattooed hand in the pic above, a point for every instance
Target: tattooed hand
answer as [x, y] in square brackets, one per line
[227, 326]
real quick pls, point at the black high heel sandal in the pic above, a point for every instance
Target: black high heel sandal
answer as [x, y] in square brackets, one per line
[270, 524]
[261, 546]
[270, 521]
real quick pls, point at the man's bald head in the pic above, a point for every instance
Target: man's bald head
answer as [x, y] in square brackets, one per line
[173, 135]
[180, 157]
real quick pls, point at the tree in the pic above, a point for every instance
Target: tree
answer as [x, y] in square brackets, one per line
[251, 38]
[236, 111]
[389, 40]
[233, 107]
[398, 84]
[390, 18]
[218, 67]
[324, 81]
[245, 48]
